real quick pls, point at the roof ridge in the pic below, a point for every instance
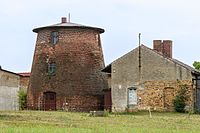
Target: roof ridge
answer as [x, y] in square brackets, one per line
[170, 59]
[9, 72]
[175, 61]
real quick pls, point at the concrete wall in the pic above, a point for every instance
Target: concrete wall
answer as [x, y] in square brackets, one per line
[154, 67]
[9, 87]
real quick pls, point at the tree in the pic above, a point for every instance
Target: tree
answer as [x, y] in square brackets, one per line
[180, 99]
[196, 65]
[22, 99]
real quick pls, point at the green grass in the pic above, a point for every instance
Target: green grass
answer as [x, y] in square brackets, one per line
[68, 122]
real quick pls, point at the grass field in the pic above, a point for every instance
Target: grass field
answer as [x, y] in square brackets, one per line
[64, 122]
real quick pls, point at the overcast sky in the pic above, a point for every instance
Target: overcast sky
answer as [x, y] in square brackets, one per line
[176, 20]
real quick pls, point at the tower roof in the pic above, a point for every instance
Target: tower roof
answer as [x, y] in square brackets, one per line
[65, 24]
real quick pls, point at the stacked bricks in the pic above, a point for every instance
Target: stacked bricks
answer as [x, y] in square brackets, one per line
[164, 47]
[159, 95]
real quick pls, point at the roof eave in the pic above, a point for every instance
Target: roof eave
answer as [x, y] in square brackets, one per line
[196, 72]
[107, 69]
[10, 72]
[36, 30]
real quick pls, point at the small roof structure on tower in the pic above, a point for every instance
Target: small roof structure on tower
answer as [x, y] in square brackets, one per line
[65, 24]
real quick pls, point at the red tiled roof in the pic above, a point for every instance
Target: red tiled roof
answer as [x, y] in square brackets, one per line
[25, 74]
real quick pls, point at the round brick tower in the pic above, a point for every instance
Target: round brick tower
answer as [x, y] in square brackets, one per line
[66, 70]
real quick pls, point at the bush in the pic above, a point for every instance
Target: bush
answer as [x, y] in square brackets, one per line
[180, 99]
[22, 99]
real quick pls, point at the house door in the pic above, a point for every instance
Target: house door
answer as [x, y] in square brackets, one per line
[168, 98]
[198, 95]
[107, 100]
[49, 101]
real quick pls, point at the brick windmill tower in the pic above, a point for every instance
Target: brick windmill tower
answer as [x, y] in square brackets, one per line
[66, 69]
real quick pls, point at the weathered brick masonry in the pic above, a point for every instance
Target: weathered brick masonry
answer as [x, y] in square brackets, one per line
[78, 81]
[159, 95]
[24, 81]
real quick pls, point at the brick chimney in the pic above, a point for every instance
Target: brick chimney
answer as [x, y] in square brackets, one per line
[164, 47]
[63, 20]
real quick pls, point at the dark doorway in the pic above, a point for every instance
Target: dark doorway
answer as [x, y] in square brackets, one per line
[49, 101]
[198, 95]
[107, 100]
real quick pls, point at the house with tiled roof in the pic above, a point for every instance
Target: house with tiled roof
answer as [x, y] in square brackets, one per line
[24, 80]
[10, 84]
[148, 78]
[9, 87]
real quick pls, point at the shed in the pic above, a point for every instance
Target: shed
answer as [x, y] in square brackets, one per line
[9, 87]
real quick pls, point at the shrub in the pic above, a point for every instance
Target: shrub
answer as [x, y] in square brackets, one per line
[22, 99]
[180, 99]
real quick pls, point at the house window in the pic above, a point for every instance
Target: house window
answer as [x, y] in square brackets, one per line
[54, 37]
[52, 69]
[132, 96]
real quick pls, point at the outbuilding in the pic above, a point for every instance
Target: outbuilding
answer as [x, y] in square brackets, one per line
[9, 87]
[148, 78]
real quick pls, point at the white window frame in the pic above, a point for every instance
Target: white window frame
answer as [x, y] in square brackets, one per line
[132, 96]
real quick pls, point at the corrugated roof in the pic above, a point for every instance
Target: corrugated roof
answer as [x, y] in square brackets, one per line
[68, 25]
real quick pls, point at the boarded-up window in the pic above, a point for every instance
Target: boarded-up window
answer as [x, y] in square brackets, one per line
[132, 96]
[52, 69]
[54, 37]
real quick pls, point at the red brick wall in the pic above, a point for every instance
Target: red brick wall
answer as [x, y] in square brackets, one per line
[24, 81]
[157, 45]
[167, 48]
[164, 47]
[78, 79]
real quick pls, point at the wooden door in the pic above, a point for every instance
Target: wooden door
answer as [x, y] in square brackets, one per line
[107, 100]
[198, 95]
[49, 101]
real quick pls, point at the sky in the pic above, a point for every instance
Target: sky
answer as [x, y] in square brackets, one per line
[123, 20]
